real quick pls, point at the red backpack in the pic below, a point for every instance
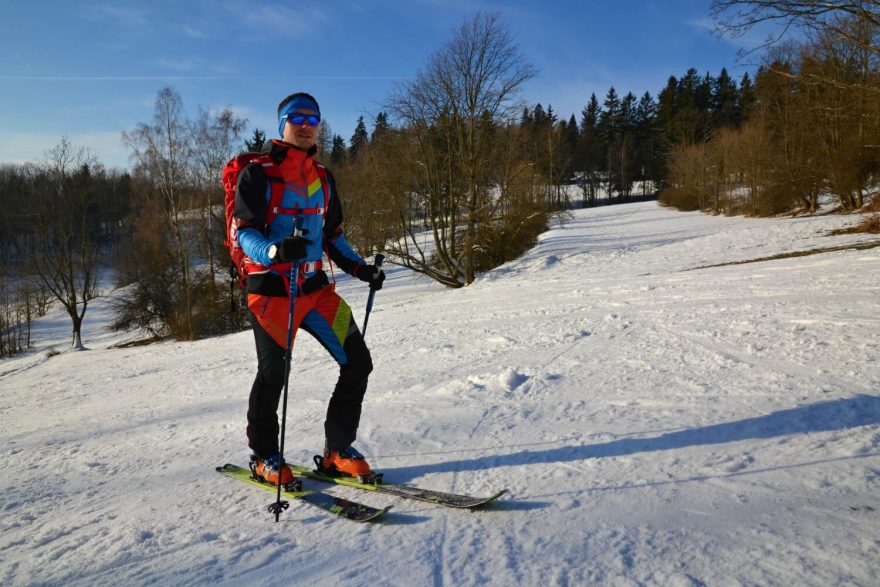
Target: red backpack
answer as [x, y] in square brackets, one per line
[242, 264]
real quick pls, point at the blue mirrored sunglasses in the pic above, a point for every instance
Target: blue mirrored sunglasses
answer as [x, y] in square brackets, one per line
[298, 119]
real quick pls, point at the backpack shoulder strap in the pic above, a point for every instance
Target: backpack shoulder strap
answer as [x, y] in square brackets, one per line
[327, 182]
[275, 193]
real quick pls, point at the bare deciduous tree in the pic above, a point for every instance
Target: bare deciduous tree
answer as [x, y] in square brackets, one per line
[216, 139]
[754, 162]
[161, 153]
[737, 17]
[451, 108]
[66, 255]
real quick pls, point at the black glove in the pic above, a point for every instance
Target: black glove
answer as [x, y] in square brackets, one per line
[292, 248]
[372, 275]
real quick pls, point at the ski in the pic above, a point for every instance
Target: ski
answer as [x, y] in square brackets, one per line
[406, 491]
[342, 508]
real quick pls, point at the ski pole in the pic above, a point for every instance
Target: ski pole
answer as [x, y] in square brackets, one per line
[378, 263]
[279, 505]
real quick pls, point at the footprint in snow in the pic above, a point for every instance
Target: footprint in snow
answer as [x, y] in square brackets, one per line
[510, 379]
[740, 464]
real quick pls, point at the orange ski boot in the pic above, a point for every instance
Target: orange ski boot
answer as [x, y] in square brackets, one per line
[347, 462]
[267, 470]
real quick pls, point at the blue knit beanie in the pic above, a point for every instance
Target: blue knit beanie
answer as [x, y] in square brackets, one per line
[300, 101]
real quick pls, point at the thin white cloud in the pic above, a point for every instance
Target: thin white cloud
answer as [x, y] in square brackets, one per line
[122, 16]
[194, 33]
[704, 23]
[297, 22]
[753, 38]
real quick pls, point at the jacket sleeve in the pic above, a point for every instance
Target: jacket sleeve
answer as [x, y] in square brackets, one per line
[338, 249]
[251, 202]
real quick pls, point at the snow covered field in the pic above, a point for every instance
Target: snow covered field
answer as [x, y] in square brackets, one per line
[656, 423]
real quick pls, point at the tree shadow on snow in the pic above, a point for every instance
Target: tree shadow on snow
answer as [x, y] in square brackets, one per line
[840, 414]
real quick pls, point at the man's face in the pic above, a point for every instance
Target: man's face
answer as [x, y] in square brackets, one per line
[301, 135]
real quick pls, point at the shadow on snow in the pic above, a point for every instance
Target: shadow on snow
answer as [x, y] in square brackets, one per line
[840, 414]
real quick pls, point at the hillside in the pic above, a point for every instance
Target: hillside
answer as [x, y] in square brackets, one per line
[656, 420]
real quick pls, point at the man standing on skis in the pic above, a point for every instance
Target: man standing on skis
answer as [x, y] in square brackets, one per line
[273, 193]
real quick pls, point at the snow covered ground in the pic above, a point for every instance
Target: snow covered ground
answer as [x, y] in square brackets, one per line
[656, 424]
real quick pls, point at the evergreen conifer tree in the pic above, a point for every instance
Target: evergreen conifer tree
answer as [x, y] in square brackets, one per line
[571, 134]
[526, 120]
[552, 119]
[703, 94]
[609, 118]
[649, 155]
[724, 101]
[337, 151]
[667, 103]
[590, 115]
[539, 117]
[257, 141]
[588, 157]
[746, 98]
[381, 127]
[359, 139]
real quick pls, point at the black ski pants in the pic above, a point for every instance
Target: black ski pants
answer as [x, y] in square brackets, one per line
[344, 408]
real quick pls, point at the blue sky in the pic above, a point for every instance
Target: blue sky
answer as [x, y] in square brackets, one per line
[91, 69]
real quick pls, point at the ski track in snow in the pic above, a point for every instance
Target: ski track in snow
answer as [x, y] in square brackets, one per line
[656, 424]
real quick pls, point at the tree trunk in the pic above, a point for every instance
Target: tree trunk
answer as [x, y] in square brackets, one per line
[77, 341]
[77, 320]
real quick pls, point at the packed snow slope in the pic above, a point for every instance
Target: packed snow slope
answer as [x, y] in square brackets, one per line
[657, 423]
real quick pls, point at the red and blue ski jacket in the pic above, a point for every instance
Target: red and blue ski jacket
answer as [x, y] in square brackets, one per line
[305, 195]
